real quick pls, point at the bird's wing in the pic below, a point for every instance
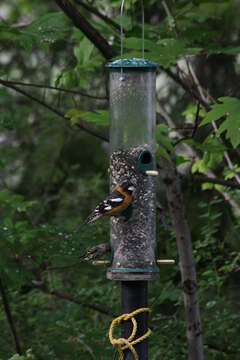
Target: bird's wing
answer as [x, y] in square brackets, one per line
[114, 200]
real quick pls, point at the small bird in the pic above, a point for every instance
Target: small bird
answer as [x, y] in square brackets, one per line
[115, 204]
[96, 252]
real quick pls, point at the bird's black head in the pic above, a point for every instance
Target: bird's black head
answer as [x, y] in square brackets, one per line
[128, 187]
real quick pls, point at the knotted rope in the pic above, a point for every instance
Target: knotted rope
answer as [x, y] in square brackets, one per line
[123, 344]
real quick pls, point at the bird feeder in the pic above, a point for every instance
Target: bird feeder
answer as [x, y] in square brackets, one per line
[133, 148]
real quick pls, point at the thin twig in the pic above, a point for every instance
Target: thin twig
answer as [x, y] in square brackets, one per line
[83, 126]
[194, 129]
[214, 125]
[43, 86]
[196, 120]
[20, 91]
[192, 153]
[207, 105]
[227, 157]
[10, 319]
[228, 183]
[166, 8]
[186, 87]
[94, 11]
[61, 295]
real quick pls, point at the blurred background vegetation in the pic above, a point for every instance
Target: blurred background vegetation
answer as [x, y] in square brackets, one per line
[54, 170]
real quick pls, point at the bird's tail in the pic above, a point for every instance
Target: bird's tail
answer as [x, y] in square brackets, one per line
[79, 228]
[92, 217]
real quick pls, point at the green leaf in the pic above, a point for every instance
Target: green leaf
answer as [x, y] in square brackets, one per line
[199, 166]
[190, 112]
[211, 145]
[231, 50]
[136, 43]
[163, 139]
[17, 357]
[45, 31]
[127, 21]
[7, 33]
[182, 160]
[229, 173]
[207, 186]
[83, 51]
[100, 117]
[161, 152]
[229, 108]
[161, 128]
[216, 113]
[165, 52]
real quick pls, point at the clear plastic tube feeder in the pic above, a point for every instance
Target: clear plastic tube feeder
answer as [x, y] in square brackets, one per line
[132, 143]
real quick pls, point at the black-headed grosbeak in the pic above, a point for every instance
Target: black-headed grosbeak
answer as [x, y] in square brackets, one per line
[115, 204]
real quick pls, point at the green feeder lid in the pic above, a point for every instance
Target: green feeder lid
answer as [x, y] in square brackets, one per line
[132, 65]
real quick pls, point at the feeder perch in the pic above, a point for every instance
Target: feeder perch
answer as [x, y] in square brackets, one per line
[133, 149]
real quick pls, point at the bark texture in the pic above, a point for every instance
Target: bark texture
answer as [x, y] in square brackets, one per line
[186, 262]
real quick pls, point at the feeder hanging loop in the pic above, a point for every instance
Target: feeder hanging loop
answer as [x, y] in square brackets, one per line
[143, 21]
[122, 34]
[121, 25]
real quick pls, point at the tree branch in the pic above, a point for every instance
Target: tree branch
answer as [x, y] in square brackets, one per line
[20, 91]
[10, 319]
[229, 183]
[42, 86]
[94, 11]
[83, 126]
[194, 129]
[187, 87]
[82, 24]
[61, 295]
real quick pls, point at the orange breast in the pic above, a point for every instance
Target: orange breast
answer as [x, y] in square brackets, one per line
[119, 209]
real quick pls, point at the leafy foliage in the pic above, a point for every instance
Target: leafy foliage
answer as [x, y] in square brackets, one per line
[44, 31]
[229, 108]
[52, 174]
[100, 117]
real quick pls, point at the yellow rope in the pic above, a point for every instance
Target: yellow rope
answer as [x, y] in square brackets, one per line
[122, 343]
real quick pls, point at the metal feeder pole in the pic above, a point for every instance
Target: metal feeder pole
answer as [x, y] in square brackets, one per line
[134, 296]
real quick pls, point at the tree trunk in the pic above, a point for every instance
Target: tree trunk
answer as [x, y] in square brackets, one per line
[187, 265]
